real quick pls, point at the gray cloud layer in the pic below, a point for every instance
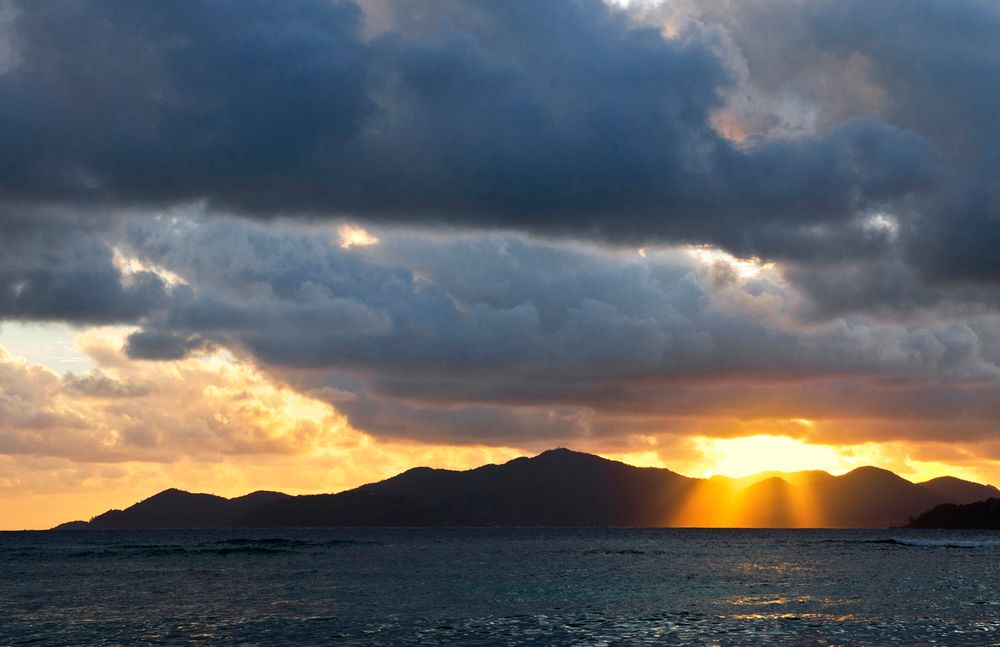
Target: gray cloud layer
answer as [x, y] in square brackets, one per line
[566, 118]
[928, 66]
[499, 338]
[55, 267]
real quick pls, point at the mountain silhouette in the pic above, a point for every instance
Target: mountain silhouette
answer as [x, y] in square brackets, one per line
[981, 515]
[175, 508]
[560, 487]
[768, 503]
[556, 488]
[873, 497]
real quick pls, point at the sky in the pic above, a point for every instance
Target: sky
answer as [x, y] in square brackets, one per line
[306, 245]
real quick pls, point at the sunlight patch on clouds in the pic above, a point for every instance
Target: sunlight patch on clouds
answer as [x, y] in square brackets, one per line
[729, 125]
[128, 266]
[208, 405]
[710, 256]
[354, 236]
[882, 223]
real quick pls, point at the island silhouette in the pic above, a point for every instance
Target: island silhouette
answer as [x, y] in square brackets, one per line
[565, 488]
[980, 515]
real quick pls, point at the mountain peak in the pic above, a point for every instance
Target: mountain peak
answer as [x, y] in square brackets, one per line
[953, 481]
[772, 481]
[171, 491]
[562, 453]
[872, 472]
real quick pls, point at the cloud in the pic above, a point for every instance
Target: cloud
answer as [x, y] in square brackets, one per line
[161, 345]
[926, 66]
[200, 408]
[572, 119]
[144, 103]
[679, 124]
[494, 337]
[55, 267]
[97, 384]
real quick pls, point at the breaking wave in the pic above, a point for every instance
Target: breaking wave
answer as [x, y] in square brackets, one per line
[946, 543]
[914, 542]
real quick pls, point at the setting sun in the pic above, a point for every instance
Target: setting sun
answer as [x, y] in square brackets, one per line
[738, 457]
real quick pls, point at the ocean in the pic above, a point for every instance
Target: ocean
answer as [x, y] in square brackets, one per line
[500, 587]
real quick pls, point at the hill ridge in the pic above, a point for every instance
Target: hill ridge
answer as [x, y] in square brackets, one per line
[562, 487]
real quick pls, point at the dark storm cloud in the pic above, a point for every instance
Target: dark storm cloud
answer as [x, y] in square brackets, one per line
[929, 66]
[155, 344]
[468, 424]
[54, 268]
[845, 411]
[149, 102]
[563, 117]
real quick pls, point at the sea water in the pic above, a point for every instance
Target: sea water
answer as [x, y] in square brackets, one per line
[501, 586]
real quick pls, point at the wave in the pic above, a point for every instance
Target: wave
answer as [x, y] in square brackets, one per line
[621, 551]
[152, 551]
[922, 543]
[946, 543]
[269, 541]
[295, 543]
[243, 550]
[238, 546]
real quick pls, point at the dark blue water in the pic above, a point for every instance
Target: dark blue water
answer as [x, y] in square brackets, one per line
[545, 587]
